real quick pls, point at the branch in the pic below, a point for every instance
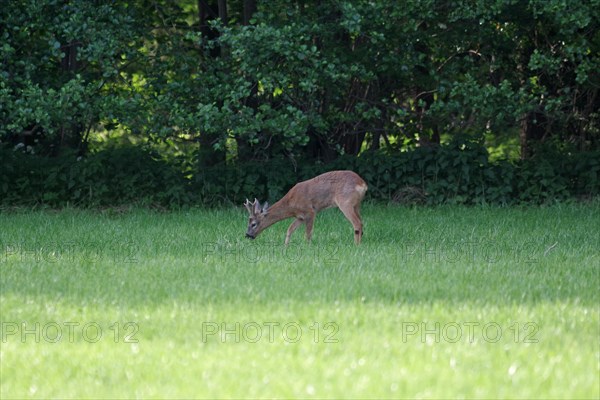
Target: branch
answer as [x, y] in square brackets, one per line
[462, 53]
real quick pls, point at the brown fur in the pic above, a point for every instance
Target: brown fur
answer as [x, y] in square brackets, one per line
[343, 189]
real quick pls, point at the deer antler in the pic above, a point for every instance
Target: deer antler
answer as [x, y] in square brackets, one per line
[249, 206]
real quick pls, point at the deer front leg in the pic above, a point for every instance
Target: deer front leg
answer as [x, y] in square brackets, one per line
[297, 222]
[310, 220]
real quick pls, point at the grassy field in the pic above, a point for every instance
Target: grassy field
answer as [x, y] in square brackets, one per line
[436, 302]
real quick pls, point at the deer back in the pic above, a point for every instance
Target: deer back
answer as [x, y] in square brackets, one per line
[327, 190]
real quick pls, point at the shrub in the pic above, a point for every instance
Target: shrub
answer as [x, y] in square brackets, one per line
[457, 173]
[129, 175]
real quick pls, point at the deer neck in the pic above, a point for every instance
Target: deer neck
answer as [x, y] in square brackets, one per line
[278, 212]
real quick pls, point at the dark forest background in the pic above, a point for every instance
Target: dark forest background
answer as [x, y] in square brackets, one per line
[200, 102]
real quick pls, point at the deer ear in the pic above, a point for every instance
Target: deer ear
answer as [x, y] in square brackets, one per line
[256, 205]
[265, 208]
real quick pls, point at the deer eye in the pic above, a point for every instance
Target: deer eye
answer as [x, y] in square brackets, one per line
[253, 224]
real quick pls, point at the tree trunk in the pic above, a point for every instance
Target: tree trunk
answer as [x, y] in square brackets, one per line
[223, 11]
[72, 134]
[207, 155]
[352, 143]
[531, 131]
[249, 10]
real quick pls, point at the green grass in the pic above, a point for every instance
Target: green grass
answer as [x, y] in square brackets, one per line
[436, 302]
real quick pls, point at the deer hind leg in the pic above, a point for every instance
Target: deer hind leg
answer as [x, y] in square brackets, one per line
[352, 213]
[297, 222]
[357, 212]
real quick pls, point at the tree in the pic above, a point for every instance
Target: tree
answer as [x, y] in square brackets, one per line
[61, 71]
[244, 79]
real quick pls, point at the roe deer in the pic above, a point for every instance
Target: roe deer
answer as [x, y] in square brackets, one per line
[344, 189]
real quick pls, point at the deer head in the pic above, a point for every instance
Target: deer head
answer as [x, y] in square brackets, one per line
[256, 219]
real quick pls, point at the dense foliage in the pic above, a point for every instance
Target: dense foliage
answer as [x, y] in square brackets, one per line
[458, 173]
[216, 100]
